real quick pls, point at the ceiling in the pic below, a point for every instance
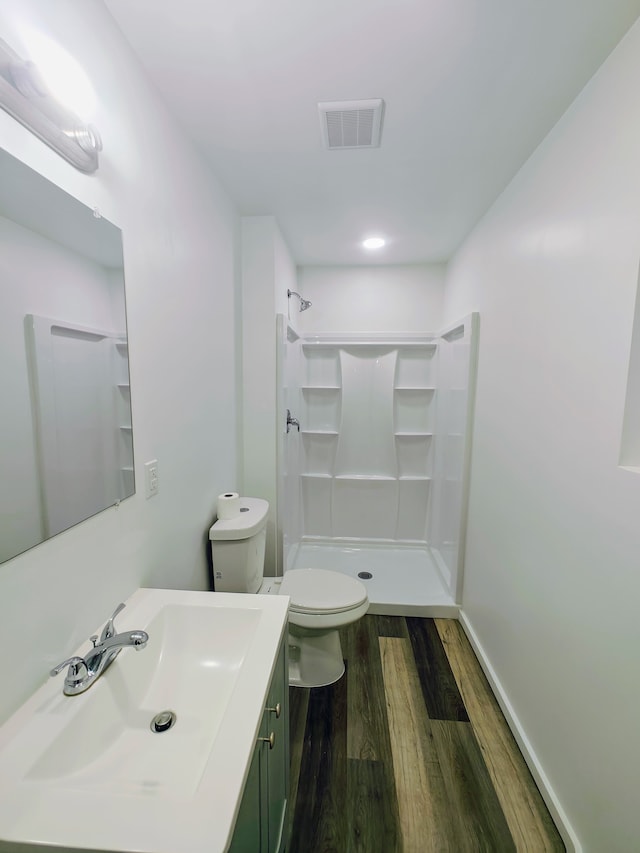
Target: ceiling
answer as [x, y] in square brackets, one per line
[470, 88]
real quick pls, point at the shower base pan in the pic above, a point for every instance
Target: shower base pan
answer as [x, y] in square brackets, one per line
[404, 581]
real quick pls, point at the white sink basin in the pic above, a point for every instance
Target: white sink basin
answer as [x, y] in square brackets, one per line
[87, 771]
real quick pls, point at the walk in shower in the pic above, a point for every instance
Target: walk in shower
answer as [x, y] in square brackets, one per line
[374, 466]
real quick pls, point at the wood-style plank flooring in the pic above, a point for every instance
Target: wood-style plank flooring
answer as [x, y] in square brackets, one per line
[409, 752]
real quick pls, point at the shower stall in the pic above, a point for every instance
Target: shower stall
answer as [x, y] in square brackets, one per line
[374, 460]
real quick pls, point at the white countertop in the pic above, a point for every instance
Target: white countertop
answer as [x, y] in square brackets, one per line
[142, 791]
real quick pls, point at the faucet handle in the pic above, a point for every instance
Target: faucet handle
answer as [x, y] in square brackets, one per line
[109, 629]
[74, 663]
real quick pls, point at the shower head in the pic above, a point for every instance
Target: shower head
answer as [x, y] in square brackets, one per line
[304, 303]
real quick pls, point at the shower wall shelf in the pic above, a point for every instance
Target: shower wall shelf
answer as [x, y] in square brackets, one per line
[375, 477]
[408, 433]
[123, 415]
[370, 342]
[381, 477]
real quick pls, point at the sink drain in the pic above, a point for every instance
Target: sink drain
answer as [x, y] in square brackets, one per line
[163, 721]
[366, 576]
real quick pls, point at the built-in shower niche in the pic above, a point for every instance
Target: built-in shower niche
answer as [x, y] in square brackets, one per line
[319, 452]
[321, 410]
[414, 403]
[414, 415]
[416, 366]
[320, 424]
[413, 412]
[321, 389]
[414, 455]
[122, 405]
[322, 365]
[80, 378]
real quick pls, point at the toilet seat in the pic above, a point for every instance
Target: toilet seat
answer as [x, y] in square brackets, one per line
[318, 592]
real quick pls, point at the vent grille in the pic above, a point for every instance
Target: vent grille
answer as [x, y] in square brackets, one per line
[351, 124]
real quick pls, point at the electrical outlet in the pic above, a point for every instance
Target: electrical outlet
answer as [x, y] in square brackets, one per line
[152, 485]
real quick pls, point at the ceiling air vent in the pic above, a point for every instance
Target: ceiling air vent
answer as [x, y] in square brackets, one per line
[351, 124]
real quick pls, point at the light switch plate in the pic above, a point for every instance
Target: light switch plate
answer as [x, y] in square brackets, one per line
[152, 485]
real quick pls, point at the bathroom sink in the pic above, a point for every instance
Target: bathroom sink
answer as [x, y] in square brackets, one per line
[88, 772]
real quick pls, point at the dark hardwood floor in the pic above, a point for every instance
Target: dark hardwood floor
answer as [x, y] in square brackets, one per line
[409, 751]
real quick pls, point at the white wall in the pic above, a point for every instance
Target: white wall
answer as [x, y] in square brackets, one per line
[267, 273]
[552, 578]
[405, 298]
[180, 242]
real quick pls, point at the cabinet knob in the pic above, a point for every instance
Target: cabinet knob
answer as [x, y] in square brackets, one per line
[277, 710]
[271, 740]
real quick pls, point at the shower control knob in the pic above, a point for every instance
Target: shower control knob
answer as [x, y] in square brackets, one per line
[291, 421]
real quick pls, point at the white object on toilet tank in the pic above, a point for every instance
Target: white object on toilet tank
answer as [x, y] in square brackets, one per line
[228, 506]
[238, 546]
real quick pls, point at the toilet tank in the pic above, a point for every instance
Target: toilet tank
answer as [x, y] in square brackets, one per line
[238, 546]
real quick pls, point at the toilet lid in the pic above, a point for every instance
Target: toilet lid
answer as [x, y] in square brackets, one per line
[318, 590]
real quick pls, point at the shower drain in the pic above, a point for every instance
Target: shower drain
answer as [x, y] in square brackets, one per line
[366, 576]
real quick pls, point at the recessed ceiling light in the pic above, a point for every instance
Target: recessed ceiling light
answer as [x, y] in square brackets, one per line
[373, 243]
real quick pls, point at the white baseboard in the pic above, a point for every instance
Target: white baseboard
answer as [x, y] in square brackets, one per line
[434, 611]
[565, 829]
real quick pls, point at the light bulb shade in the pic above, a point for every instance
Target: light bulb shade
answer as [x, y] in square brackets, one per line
[373, 242]
[26, 94]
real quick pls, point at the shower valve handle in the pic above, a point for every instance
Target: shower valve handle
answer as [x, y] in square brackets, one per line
[291, 421]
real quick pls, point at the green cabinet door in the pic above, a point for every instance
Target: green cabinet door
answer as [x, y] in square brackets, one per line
[261, 822]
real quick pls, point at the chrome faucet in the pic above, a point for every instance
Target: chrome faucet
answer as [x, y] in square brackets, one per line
[83, 672]
[291, 421]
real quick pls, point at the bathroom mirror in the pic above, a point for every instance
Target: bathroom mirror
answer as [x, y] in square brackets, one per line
[66, 438]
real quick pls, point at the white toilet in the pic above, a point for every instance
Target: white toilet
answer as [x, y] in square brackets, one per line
[320, 603]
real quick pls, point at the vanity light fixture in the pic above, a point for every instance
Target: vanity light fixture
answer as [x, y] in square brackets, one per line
[25, 95]
[374, 242]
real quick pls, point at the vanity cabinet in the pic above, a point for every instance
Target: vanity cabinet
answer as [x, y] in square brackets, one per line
[260, 825]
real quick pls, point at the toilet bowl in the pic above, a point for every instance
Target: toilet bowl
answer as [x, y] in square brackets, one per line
[321, 601]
